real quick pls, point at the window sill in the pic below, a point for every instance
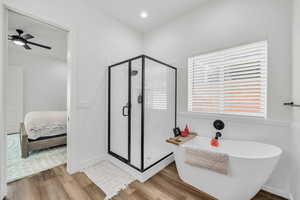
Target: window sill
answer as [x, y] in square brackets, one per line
[233, 118]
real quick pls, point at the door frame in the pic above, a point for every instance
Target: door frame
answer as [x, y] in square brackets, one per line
[20, 114]
[71, 88]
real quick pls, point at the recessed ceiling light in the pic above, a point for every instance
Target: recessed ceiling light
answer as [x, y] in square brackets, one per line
[144, 14]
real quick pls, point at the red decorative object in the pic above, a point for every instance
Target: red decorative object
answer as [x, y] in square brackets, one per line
[185, 132]
[214, 142]
[187, 129]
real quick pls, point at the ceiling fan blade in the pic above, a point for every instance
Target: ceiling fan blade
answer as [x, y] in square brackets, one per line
[27, 47]
[39, 45]
[27, 36]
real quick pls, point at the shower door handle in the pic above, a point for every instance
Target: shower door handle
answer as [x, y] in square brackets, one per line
[123, 110]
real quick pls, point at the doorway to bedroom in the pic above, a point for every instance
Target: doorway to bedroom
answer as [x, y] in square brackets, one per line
[36, 96]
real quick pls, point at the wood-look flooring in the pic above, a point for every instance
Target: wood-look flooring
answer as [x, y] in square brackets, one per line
[57, 184]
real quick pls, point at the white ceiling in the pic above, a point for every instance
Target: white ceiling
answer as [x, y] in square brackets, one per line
[43, 33]
[126, 11]
[159, 11]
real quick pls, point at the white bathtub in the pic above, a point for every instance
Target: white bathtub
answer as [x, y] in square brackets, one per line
[251, 164]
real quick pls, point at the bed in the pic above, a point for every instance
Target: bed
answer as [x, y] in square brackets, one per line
[42, 130]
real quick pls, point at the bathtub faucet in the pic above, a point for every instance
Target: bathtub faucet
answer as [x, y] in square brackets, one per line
[218, 135]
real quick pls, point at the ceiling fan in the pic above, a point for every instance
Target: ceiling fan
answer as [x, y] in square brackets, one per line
[22, 40]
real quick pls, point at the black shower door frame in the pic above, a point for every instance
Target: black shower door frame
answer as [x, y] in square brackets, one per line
[128, 160]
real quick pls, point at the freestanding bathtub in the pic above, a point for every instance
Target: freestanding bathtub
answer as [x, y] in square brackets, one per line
[251, 164]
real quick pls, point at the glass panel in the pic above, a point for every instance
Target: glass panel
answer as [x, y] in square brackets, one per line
[159, 110]
[136, 91]
[119, 110]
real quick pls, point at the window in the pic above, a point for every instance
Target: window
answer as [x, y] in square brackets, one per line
[232, 81]
[157, 83]
[159, 99]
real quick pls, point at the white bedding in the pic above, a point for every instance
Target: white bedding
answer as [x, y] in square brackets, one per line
[45, 124]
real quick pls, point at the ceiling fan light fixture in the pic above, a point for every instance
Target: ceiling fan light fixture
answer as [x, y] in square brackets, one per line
[22, 40]
[144, 14]
[18, 42]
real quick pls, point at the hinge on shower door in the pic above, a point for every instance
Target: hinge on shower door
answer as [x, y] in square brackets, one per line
[140, 99]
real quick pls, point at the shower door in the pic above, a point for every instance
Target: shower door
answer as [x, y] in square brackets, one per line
[142, 96]
[119, 111]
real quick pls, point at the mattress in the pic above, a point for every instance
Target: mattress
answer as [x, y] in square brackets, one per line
[45, 124]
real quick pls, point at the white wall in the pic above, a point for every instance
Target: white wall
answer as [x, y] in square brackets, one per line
[2, 111]
[228, 23]
[224, 24]
[97, 41]
[217, 25]
[44, 81]
[295, 183]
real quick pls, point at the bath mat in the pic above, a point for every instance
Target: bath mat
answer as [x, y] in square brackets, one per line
[37, 161]
[109, 178]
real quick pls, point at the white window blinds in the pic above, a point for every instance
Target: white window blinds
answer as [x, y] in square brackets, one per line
[232, 81]
[160, 99]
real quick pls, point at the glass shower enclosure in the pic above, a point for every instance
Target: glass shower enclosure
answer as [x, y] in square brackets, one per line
[142, 101]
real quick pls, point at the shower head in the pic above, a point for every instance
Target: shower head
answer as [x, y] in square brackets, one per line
[134, 72]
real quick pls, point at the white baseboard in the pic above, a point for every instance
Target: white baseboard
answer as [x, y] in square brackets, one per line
[142, 177]
[156, 169]
[14, 130]
[277, 191]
